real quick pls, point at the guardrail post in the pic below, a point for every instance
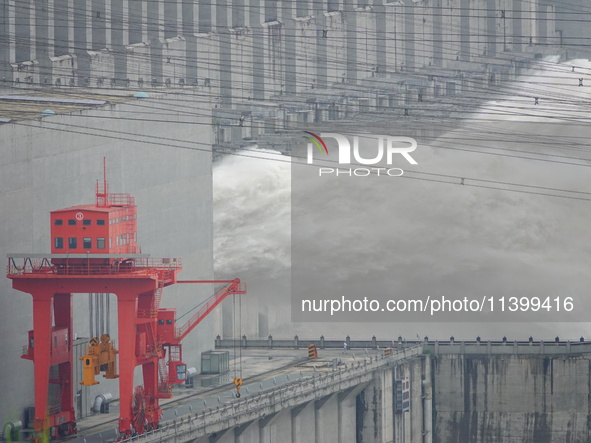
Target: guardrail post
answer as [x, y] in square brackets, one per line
[322, 342]
[296, 342]
[270, 341]
[373, 342]
[244, 343]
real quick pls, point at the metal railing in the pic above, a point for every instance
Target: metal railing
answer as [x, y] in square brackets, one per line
[453, 345]
[118, 199]
[91, 264]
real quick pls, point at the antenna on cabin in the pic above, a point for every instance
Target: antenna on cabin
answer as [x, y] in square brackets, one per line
[102, 196]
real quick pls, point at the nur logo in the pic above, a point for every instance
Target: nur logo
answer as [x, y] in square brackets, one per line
[387, 147]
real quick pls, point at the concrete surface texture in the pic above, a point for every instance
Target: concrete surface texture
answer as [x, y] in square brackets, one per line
[255, 49]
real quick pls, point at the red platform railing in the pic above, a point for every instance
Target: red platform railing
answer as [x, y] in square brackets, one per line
[97, 264]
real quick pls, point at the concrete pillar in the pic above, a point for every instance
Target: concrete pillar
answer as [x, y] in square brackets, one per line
[24, 30]
[290, 69]
[327, 419]
[83, 38]
[428, 403]
[7, 51]
[63, 26]
[276, 428]
[387, 412]
[205, 23]
[303, 423]
[516, 19]
[119, 38]
[98, 20]
[375, 419]
[137, 22]
[258, 50]
[347, 415]
[171, 18]
[321, 44]
[247, 433]
[155, 12]
[465, 30]
[351, 37]
[543, 25]
[409, 35]
[225, 51]
[491, 28]
[44, 39]
[438, 37]
[188, 27]
[383, 58]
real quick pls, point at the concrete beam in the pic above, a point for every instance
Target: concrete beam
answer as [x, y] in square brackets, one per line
[225, 436]
[352, 392]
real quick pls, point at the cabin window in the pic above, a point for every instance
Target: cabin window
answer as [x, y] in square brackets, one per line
[58, 242]
[58, 222]
[100, 222]
[86, 222]
[72, 243]
[87, 243]
[135, 236]
[100, 243]
[110, 242]
[117, 240]
[72, 221]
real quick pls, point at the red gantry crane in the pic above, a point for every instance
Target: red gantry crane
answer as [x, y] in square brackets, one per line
[94, 250]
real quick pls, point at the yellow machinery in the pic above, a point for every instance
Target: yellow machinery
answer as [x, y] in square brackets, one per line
[99, 357]
[238, 384]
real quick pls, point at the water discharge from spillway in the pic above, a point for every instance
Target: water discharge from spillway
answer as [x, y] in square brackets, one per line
[444, 239]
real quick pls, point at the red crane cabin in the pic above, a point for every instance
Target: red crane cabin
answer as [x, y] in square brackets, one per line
[108, 227]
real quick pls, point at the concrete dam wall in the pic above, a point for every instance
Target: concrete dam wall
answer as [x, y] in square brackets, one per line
[454, 392]
[493, 398]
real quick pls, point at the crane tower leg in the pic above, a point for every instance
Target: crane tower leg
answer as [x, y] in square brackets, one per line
[127, 315]
[42, 359]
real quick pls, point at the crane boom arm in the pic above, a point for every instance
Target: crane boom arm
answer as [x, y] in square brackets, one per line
[232, 287]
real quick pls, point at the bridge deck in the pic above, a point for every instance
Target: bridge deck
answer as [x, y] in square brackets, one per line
[273, 380]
